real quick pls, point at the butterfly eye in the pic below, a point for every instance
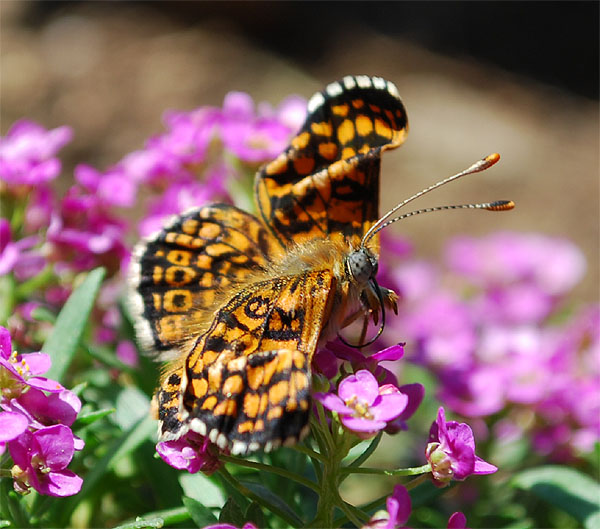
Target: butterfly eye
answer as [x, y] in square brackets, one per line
[361, 265]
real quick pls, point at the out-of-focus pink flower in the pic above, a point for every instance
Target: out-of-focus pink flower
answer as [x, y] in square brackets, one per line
[27, 153]
[85, 234]
[362, 406]
[457, 521]
[179, 197]
[41, 459]
[250, 136]
[192, 452]
[398, 511]
[127, 353]
[451, 451]
[18, 256]
[482, 325]
[552, 264]
[113, 187]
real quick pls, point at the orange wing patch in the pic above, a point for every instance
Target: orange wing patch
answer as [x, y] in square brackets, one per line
[246, 382]
[326, 184]
[184, 266]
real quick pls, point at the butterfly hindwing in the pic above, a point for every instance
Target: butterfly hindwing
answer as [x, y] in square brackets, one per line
[185, 265]
[246, 383]
[326, 183]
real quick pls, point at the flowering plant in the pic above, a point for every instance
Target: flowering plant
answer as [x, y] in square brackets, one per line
[483, 332]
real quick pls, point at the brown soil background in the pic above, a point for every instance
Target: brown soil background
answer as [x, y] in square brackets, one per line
[110, 70]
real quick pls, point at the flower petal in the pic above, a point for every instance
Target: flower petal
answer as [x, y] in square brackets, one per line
[362, 385]
[359, 424]
[60, 483]
[56, 445]
[11, 425]
[38, 363]
[389, 406]
[333, 402]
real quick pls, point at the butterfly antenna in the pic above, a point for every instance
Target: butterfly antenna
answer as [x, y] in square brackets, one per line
[477, 167]
[498, 205]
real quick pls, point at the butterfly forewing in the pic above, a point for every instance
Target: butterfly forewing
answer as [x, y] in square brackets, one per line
[326, 183]
[188, 263]
[248, 378]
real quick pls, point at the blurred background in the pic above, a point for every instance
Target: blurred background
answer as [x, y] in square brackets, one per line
[517, 78]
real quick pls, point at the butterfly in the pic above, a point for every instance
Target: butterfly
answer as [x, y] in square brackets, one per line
[238, 304]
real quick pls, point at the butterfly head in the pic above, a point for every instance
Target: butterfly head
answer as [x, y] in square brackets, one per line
[362, 265]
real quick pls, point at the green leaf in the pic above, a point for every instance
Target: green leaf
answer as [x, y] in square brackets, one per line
[132, 405]
[201, 515]
[565, 488]
[272, 498]
[362, 452]
[232, 513]
[43, 314]
[254, 514]
[70, 324]
[200, 487]
[92, 417]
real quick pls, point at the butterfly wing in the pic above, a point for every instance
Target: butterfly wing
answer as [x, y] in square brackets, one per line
[246, 382]
[326, 183]
[184, 267]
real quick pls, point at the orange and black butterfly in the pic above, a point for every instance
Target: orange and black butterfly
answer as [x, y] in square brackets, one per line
[239, 303]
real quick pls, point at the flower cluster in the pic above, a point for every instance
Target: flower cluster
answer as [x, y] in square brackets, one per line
[484, 325]
[35, 423]
[52, 238]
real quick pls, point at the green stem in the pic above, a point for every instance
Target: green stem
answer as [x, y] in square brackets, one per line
[353, 514]
[309, 452]
[416, 482]
[325, 428]
[270, 468]
[425, 469]
[294, 521]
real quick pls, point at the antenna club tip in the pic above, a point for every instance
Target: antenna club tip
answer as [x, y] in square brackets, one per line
[492, 159]
[501, 205]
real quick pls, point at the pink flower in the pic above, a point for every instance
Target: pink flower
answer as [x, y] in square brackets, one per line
[255, 137]
[191, 452]
[20, 372]
[362, 405]
[11, 426]
[46, 410]
[18, 256]
[451, 451]
[457, 521]
[41, 459]
[398, 506]
[359, 361]
[27, 153]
